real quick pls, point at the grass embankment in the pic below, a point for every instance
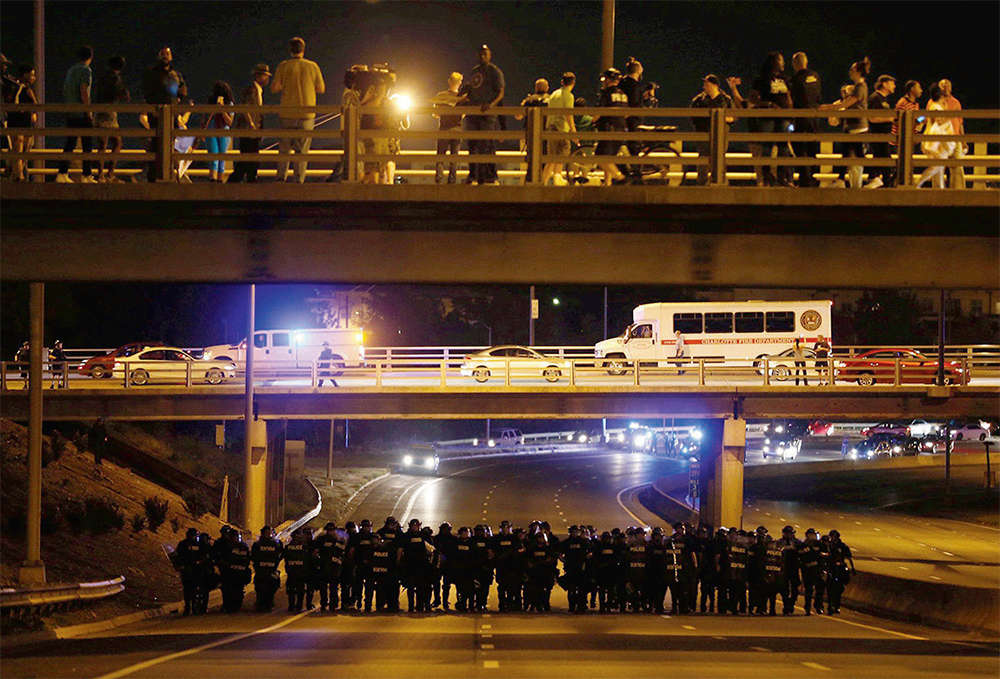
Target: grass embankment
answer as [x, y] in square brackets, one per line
[918, 492]
[94, 526]
[346, 481]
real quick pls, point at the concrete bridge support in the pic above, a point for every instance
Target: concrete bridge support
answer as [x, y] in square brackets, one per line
[263, 485]
[721, 478]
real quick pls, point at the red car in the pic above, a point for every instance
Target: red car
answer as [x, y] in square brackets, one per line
[821, 428]
[101, 366]
[878, 366]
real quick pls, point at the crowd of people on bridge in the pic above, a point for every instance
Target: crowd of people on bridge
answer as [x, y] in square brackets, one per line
[356, 569]
[299, 82]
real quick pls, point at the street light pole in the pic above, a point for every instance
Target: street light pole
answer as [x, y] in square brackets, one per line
[32, 571]
[248, 409]
[608, 35]
[941, 338]
[531, 317]
[39, 64]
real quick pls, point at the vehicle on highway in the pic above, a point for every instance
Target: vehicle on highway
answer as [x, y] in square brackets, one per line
[171, 364]
[641, 440]
[507, 438]
[896, 428]
[782, 364]
[716, 330]
[782, 446]
[933, 443]
[970, 431]
[420, 462]
[582, 436]
[282, 350]
[520, 360]
[922, 428]
[102, 366]
[821, 428]
[884, 445]
[878, 366]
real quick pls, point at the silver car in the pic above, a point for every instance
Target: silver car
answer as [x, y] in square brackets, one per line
[521, 361]
[170, 364]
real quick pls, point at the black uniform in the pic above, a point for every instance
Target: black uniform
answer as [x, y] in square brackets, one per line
[296, 556]
[881, 149]
[380, 567]
[235, 567]
[772, 554]
[323, 367]
[540, 560]
[635, 574]
[656, 572]
[190, 560]
[812, 561]
[390, 582]
[708, 573]
[633, 92]
[687, 580]
[265, 555]
[360, 548]
[840, 573]
[329, 548]
[445, 543]
[482, 554]
[789, 580]
[505, 554]
[575, 553]
[774, 93]
[414, 556]
[57, 364]
[736, 596]
[807, 92]
[612, 97]
[461, 569]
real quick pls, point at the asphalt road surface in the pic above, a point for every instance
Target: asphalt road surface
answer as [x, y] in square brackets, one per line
[595, 489]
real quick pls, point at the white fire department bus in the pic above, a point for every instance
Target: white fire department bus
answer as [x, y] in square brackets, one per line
[715, 330]
[279, 350]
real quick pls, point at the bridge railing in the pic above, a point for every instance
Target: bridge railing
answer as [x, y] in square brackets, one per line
[662, 149]
[607, 373]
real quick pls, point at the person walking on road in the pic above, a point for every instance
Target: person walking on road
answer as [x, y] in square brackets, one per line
[325, 357]
[57, 364]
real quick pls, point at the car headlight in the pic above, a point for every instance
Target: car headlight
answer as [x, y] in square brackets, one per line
[780, 429]
[491, 443]
[767, 449]
[897, 449]
[620, 438]
[429, 463]
[582, 438]
[407, 460]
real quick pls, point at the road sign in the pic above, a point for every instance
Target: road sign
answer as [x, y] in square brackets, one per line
[534, 308]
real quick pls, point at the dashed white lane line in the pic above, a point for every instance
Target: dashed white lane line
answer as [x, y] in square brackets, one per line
[491, 664]
[933, 577]
[486, 627]
[720, 638]
[816, 666]
[486, 647]
[761, 649]
[132, 669]
[690, 627]
[948, 553]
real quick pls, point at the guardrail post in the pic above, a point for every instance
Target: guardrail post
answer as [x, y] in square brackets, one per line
[701, 372]
[904, 148]
[444, 374]
[533, 140]
[352, 125]
[313, 370]
[65, 376]
[125, 378]
[506, 372]
[378, 373]
[717, 144]
[3, 376]
[164, 142]
[898, 377]
[767, 373]
[966, 366]
[635, 373]
[572, 373]
[187, 374]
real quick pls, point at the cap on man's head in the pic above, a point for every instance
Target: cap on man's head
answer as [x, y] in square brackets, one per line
[787, 529]
[884, 79]
[414, 522]
[612, 74]
[711, 78]
[329, 526]
[261, 68]
[811, 531]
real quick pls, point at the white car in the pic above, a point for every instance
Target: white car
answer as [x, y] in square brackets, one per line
[522, 361]
[782, 364]
[170, 364]
[921, 428]
[782, 448]
[970, 431]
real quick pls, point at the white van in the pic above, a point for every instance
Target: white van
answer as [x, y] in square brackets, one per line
[292, 349]
[715, 330]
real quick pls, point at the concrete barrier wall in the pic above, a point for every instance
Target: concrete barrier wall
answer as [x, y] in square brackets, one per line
[765, 471]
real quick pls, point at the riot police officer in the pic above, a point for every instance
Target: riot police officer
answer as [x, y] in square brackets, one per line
[687, 577]
[789, 579]
[756, 567]
[736, 596]
[812, 561]
[235, 564]
[540, 560]
[359, 549]
[720, 548]
[445, 542]
[841, 564]
[607, 565]
[774, 579]
[329, 547]
[708, 568]
[348, 597]
[413, 555]
[505, 547]
[482, 551]
[635, 568]
[389, 533]
[575, 553]
[265, 555]
[656, 570]
[189, 560]
[208, 576]
[461, 571]
[296, 554]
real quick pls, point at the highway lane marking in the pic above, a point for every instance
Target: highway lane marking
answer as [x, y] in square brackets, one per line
[720, 638]
[904, 635]
[358, 491]
[761, 649]
[138, 667]
[688, 627]
[403, 495]
[491, 664]
[626, 509]
[486, 627]
[948, 553]
[816, 666]
[416, 496]
[486, 636]
[486, 647]
[934, 577]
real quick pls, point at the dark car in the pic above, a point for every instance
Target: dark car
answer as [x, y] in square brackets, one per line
[885, 445]
[101, 366]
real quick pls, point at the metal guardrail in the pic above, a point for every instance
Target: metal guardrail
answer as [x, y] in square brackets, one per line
[288, 527]
[666, 142]
[43, 600]
[609, 372]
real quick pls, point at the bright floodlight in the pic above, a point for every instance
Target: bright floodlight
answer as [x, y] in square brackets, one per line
[633, 425]
[403, 102]
[407, 460]
[779, 429]
[696, 434]
[555, 301]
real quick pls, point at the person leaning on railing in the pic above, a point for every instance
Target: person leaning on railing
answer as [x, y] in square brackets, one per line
[109, 89]
[22, 143]
[162, 84]
[253, 95]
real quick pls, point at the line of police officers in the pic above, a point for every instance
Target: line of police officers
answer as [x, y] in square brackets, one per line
[356, 568]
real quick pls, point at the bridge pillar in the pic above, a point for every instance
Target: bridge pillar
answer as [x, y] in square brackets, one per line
[722, 473]
[255, 477]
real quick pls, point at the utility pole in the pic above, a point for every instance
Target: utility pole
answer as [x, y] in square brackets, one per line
[32, 571]
[248, 410]
[941, 329]
[39, 57]
[605, 335]
[532, 315]
[329, 454]
[608, 35]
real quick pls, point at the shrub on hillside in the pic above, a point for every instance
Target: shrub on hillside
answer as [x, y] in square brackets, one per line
[175, 524]
[156, 512]
[196, 503]
[138, 523]
[102, 516]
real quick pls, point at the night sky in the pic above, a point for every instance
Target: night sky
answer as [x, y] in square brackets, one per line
[678, 42]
